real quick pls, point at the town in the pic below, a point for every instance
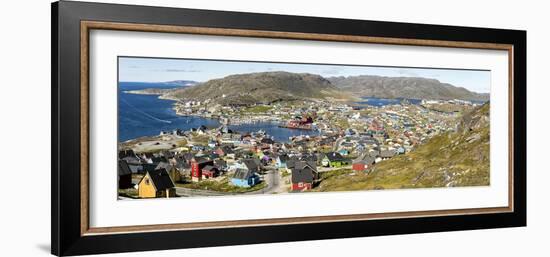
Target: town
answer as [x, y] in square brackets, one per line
[346, 138]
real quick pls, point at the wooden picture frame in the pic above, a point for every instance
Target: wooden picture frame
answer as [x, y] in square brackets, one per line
[71, 25]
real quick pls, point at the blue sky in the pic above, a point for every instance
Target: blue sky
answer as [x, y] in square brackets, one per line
[133, 69]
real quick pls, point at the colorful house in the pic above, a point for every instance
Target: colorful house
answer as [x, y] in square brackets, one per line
[343, 152]
[244, 178]
[333, 160]
[363, 163]
[304, 174]
[156, 183]
[209, 171]
[197, 165]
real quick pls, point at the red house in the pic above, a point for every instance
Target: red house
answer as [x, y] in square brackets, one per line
[197, 166]
[363, 164]
[359, 166]
[209, 171]
[304, 174]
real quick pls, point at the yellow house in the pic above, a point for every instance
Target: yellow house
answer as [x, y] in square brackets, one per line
[156, 183]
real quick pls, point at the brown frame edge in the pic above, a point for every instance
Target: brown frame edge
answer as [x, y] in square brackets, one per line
[86, 26]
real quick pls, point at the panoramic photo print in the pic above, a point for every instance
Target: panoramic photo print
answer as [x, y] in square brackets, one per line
[200, 128]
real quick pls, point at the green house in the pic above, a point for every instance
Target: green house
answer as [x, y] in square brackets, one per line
[334, 160]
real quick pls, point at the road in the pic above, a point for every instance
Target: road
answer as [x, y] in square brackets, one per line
[337, 144]
[272, 178]
[187, 192]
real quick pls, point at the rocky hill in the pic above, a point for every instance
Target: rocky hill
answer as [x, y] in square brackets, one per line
[452, 159]
[263, 87]
[403, 87]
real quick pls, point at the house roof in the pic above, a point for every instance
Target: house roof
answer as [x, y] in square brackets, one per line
[334, 157]
[242, 174]
[158, 159]
[161, 179]
[209, 168]
[369, 141]
[252, 164]
[135, 168]
[126, 153]
[303, 172]
[220, 163]
[132, 159]
[365, 159]
[149, 167]
[201, 160]
[227, 149]
[291, 163]
[387, 153]
[123, 168]
[164, 165]
[187, 156]
[267, 140]
[168, 154]
[308, 157]
[374, 153]
[283, 158]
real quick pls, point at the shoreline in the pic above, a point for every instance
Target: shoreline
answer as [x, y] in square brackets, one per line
[272, 116]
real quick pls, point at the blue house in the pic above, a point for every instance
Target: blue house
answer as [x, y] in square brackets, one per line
[245, 178]
[281, 161]
[343, 152]
[198, 148]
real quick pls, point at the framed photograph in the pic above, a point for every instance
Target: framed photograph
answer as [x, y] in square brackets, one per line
[179, 128]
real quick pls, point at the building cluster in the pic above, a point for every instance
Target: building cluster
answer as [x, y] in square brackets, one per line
[349, 137]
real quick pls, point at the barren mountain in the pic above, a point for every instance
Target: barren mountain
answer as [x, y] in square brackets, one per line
[404, 87]
[263, 87]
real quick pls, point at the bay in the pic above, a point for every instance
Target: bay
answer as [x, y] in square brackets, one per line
[372, 101]
[147, 115]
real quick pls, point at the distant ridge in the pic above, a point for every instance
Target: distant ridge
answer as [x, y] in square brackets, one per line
[269, 87]
[181, 83]
[261, 87]
[404, 87]
[157, 87]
